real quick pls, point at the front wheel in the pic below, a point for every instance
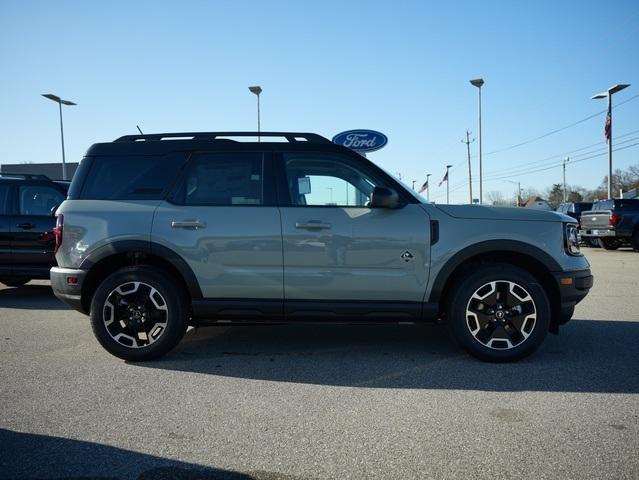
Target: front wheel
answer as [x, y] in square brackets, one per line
[499, 313]
[137, 314]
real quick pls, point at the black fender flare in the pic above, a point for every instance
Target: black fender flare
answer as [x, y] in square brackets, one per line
[152, 248]
[489, 246]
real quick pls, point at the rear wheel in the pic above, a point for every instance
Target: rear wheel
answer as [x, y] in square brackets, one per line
[15, 282]
[499, 313]
[609, 243]
[137, 314]
[635, 241]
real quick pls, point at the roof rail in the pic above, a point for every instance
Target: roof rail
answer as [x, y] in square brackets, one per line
[292, 137]
[26, 176]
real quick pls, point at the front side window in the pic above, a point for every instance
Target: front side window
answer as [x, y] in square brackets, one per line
[317, 180]
[38, 199]
[219, 179]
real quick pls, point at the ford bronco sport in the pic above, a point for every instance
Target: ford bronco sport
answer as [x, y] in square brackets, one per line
[164, 231]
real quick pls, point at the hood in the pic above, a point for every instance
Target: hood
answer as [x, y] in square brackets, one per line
[484, 212]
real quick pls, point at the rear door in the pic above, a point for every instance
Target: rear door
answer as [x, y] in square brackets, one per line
[5, 229]
[33, 241]
[341, 258]
[222, 219]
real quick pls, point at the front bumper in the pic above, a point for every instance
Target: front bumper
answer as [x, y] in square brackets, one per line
[598, 232]
[67, 286]
[573, 288]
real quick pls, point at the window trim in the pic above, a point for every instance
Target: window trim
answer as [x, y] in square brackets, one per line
[269, 198]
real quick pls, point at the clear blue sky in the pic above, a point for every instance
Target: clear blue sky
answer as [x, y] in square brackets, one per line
[398, 67]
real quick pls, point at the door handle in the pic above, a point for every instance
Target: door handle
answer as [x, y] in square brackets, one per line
[192, 224]
[26, 226]
[312, 224]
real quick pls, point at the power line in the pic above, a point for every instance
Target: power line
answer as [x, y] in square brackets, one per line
[557, 130]
[556, 165]
[563, 154]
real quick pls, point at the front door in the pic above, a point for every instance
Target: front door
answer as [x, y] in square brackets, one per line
[33, 242]
[223, 221]
[343, 258]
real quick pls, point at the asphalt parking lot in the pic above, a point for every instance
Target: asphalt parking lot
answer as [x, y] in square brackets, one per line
[293, 402]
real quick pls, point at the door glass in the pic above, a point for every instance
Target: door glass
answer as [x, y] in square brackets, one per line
[220, 179]
[327, 181]
[38, 199]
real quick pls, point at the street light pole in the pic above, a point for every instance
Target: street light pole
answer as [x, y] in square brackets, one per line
[60, 102]
[257, 90]
[608, 94]
[566, 160]
[478, 82]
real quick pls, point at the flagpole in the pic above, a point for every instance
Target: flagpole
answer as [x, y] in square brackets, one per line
[610, 147]
[447, 185]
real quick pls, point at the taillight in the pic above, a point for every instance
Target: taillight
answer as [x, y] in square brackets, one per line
[58, 231]
[615, 218]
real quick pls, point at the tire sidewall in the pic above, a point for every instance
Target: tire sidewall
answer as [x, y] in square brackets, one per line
[456, 318]
[176, 318]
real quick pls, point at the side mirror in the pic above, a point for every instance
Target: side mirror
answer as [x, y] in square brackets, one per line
[383, 197]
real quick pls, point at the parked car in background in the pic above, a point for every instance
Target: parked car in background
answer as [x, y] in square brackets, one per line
[574, 209]
[27, 242]
[612, 223]
[162, 231]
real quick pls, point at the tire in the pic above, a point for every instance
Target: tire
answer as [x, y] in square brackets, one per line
[157, 310]
[15, 282]
[505, 334]
[592, 242]
[635, 241]
[608, 243]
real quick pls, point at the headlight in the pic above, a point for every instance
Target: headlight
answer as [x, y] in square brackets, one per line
[571, 234]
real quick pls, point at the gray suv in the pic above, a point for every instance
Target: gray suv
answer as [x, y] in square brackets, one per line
[164, 231]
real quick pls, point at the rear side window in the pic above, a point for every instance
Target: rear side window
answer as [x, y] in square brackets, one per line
[130, 177]
[4, 199]
[38, 199]
[220, 179]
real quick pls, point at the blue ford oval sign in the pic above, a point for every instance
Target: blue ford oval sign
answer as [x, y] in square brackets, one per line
[361, 140]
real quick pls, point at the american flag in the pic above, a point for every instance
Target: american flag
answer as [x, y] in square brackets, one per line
[445, 179]
[608, 127]
[424, 187]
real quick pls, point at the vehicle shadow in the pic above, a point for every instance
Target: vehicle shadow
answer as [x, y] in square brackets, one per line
[30, 297]
[31, 456]
[588, 356]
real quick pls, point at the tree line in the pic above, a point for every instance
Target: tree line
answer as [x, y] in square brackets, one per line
[622, 180]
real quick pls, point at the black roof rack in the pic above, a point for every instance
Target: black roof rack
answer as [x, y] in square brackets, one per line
[26, 176]
[291, 137]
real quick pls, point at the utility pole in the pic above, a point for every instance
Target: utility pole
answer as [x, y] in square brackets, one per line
[566, 160]
[414, 184]
[468, 141]
[428, 189]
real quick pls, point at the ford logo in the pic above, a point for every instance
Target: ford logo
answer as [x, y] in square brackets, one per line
[361, 140]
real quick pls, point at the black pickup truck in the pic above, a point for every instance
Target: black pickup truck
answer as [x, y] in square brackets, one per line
[27, 241]
[612, 223]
